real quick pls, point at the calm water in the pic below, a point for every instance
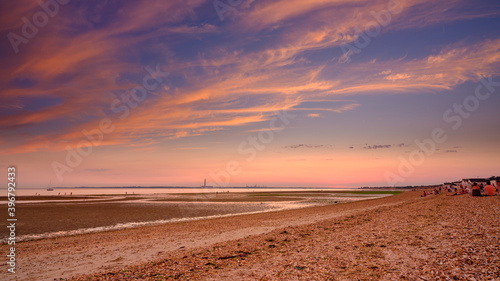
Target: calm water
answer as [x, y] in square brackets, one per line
[261, 208]
[243, 208]
[93, 191]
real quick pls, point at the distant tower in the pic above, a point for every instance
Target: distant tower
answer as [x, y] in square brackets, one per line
[205, 183]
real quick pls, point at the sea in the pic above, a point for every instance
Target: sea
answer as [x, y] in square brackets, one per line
[153, 190]
[121, 192]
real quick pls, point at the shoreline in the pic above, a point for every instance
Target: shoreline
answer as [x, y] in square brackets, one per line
[58, 216]
[122, 191]
[62, 257]
[438, 237]
[138, 224]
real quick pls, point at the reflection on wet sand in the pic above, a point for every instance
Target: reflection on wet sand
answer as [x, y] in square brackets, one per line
[53, 216]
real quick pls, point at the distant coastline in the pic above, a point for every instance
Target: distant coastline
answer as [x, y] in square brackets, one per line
[210, 187]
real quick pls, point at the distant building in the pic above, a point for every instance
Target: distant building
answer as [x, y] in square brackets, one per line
[205, 184]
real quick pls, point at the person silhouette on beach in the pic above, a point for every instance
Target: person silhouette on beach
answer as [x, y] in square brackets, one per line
[476, 190]
[490, 190]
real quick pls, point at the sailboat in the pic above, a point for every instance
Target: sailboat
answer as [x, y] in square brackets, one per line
[50, 189]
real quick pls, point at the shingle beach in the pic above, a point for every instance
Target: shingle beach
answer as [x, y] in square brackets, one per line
[403, 237]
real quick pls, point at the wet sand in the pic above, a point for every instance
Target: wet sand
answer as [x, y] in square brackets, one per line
[34, 219]
[404, 237]
[62, 257]
[48, 214]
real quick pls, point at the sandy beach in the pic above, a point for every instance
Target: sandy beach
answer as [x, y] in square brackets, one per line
[46, 216]
[249, 140]
[400, 237]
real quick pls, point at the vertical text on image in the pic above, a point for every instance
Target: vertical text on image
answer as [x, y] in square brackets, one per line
[11, 218]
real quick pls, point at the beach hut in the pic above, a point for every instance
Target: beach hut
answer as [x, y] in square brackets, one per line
[494, 181]
[466, 183]
[479, 181]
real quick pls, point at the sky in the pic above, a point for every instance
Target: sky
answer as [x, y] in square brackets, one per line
[320, 93]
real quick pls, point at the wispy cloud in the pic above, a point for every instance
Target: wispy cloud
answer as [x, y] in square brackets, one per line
[90, 54]
[309, 146]
[378, 146]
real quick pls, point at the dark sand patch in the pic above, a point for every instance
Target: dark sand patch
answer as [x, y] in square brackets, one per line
[38, 217]
[433, 238]
[83, 254]
[43, 218]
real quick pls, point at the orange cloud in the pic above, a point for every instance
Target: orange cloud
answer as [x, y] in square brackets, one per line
[237, 87]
